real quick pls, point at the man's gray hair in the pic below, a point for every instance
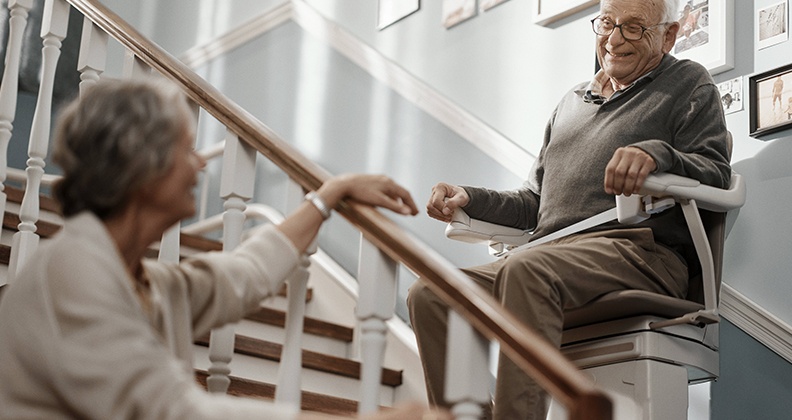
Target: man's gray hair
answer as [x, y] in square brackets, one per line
[670, 11]
[117, 137]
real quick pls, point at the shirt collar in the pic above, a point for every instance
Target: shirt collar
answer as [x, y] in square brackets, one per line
[592, 93]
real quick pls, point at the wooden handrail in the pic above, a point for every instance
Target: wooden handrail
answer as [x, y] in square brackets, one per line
[522, 345]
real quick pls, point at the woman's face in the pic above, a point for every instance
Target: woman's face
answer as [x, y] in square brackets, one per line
[173, 193]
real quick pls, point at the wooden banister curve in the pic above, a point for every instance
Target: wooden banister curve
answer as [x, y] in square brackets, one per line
[523, 346]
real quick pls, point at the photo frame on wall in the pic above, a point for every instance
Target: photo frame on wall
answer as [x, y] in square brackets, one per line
[772, 24]
[546, 12]
[731, 93]
[485, 5]
[457, 11]
[770, 101]
[706, 34]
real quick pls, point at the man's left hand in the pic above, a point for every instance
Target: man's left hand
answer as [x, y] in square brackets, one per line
[627, 170]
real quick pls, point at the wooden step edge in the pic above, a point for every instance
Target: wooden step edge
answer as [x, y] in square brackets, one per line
[5, 254]
[313, 326]
[310, 359]
[15, 195]
[310, 401]
[43, 228]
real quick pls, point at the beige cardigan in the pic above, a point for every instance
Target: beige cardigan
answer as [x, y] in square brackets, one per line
[75, 343]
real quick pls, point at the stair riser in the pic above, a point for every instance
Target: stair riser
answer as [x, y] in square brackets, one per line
[275, 334]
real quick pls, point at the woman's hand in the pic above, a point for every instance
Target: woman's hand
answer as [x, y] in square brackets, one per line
[302, 226]
[375, 190]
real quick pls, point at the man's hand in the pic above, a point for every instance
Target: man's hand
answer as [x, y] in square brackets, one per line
[444, 200]
[627, 171]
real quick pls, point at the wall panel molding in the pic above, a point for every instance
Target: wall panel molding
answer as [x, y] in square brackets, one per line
[757, 322]
[484, 137]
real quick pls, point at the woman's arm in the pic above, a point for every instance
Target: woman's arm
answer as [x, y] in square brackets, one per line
[303, 224]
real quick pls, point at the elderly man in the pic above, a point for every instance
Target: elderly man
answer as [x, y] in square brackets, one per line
[644, 112]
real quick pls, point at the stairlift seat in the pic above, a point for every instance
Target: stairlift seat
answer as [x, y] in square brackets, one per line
[639, 344]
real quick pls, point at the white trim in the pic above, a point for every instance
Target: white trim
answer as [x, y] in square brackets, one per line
[201, 54]
[756, 322]
[486, 138]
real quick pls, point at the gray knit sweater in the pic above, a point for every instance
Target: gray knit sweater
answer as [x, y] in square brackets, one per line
[673, 113]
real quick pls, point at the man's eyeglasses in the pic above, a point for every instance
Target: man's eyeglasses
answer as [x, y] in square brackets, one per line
[629, 31]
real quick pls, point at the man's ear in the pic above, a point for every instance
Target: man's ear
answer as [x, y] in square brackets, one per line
[670, 36]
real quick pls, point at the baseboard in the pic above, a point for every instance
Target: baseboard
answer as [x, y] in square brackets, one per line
[757, 322]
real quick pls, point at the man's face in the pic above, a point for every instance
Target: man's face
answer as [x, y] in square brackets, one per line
[623, 60]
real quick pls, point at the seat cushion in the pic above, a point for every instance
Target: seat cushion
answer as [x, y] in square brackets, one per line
[628, 303]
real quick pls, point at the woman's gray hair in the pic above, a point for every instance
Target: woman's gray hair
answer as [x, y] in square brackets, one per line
[115, 138]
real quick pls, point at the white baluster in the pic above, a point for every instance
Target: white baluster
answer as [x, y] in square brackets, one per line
[378, 276]
[236, 187]
[93, 54]
[53, 30]
[9, 87]
[170, 244]
[134, 67]
[290, 368]
[289, 383]
[467, 377]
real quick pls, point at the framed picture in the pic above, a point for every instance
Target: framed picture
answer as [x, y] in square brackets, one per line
[706, 34]
[457, 11]
[392, 11]
[485, 5]
[772, 24]
[771, 101]
[731, 95]
[546, 12]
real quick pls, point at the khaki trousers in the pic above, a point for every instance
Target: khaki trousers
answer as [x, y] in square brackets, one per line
[537, 285]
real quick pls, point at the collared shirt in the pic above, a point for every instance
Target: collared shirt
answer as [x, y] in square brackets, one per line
[592, 93]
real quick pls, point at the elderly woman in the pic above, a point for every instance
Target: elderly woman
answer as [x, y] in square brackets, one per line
[92, 329]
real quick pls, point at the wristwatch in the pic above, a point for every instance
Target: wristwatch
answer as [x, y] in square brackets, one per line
[320, 205]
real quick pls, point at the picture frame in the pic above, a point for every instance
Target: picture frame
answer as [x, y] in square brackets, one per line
[458, 11]
[772, 24]
[731, 93]
[546, 12]
[770, 96]
[485, 5]
[392, 11]
[706, 34]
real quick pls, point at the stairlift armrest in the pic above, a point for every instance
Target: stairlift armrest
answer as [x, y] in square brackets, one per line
[465, 229]
[707, 197]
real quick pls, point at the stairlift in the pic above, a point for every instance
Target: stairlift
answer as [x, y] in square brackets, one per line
[642, 348]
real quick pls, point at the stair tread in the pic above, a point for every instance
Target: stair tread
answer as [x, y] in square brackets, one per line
[310, 401]
[310, 359]
[313, 326]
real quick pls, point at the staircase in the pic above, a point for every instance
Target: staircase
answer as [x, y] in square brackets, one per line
[329, 370]
[330, 376]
